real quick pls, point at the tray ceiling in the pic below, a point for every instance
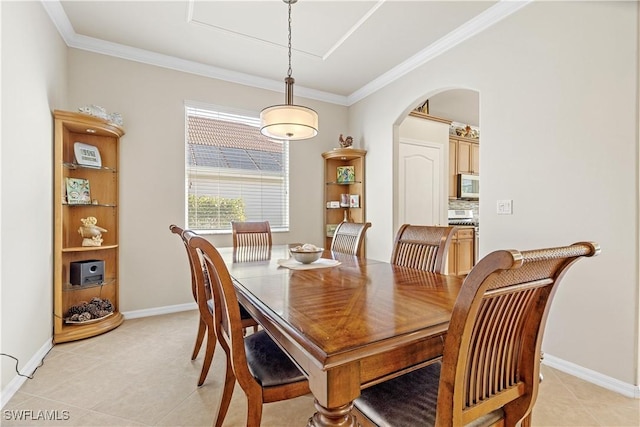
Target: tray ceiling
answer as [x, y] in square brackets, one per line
[342, 50]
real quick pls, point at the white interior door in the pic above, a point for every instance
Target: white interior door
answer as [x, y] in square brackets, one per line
[421, 192]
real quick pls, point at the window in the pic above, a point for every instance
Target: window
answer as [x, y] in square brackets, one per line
[233, 172]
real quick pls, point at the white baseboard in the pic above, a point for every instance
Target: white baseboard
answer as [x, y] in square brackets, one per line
[593, 377]
[15, 384]
[156, 311]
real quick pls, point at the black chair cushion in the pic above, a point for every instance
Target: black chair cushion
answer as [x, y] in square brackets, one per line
[269, 365]
[410, 400]
[406, 401]
[244, 314]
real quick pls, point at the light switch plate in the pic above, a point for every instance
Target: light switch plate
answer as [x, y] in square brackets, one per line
[504, 207]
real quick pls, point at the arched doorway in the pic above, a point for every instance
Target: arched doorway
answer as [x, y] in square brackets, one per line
[423, 156]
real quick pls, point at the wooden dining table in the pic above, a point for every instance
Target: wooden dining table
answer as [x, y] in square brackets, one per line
[347, 326]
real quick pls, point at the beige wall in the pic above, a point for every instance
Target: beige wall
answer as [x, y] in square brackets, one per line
[558, 114]
[153, 268]
[33, 84]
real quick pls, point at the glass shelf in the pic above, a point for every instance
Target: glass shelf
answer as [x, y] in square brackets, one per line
[88, 248]
[68, 287]
[86, 205]
[77, 166]
[343, 183]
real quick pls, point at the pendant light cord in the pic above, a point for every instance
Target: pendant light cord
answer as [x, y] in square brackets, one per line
[289, 72]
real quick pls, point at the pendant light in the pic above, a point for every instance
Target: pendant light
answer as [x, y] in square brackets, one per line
[289, 121]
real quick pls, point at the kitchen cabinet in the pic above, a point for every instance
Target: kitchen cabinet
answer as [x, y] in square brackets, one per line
[85, 252]
[464, 157]
[460, 258]
[468, 157]
[453, 168]
[344, 175]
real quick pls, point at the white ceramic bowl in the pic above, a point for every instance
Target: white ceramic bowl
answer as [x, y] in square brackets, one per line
[306, 257]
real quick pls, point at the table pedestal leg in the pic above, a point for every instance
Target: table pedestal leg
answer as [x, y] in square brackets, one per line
[339, 417]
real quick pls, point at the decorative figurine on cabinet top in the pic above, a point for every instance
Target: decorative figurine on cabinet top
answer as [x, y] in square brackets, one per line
[345, 142]
[101, 112]
[95, 111]
[90, 232]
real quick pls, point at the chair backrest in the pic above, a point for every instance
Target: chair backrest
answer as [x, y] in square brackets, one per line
[423, 247]
[348, 237]
[226, 312]
[179, 231]
[492, 351]
[251, 240]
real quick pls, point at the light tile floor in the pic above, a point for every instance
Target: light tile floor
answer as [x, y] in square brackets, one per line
[140, 374]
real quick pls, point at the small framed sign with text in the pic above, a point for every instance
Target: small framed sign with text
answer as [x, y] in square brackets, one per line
[87, 155]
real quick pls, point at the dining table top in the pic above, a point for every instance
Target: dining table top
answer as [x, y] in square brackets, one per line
[362, 319]
[342, 308]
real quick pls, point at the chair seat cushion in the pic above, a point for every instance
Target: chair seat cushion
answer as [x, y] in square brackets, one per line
[244, 314]
[269, 365]
[409, 400]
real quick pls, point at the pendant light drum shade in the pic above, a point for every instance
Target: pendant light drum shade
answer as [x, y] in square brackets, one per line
[289, 121]
[292, 122]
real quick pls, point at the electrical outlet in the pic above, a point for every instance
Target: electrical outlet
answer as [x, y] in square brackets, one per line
[504, 207]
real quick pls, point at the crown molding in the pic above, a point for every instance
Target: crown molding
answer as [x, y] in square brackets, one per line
[91, 44]
[472, 27]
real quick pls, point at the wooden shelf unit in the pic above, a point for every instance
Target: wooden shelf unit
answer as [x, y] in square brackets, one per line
[333, 189]
[103, 182]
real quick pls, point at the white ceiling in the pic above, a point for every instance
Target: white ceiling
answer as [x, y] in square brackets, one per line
[342, 50]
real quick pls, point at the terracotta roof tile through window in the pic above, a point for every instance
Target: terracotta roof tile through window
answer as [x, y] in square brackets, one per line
[222, 144]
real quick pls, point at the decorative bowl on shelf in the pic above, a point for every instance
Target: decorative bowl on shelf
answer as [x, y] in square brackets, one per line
[306, 254]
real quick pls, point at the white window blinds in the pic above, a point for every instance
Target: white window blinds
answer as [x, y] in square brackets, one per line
[233, 172]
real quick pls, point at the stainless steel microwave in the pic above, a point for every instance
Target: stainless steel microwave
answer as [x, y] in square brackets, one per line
[468, 186]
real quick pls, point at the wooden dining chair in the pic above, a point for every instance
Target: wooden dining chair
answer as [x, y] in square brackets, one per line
[202, 326]
[423, 247]
[489, 373]
[349, 237]
[251, 240]
[265, 373]
[205, 324]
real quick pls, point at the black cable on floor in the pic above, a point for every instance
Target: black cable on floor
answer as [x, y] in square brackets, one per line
[17, 361]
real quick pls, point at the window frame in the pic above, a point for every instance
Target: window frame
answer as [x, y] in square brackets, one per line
[252, 119]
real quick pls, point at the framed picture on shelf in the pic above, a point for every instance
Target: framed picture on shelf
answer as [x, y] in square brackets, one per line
[346, 174]
[78, 192]
[331, 229]
[87, 155]
[354, 201]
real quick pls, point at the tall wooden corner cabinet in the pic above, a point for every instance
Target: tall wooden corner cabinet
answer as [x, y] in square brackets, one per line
[344, 198]
[68, 243]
